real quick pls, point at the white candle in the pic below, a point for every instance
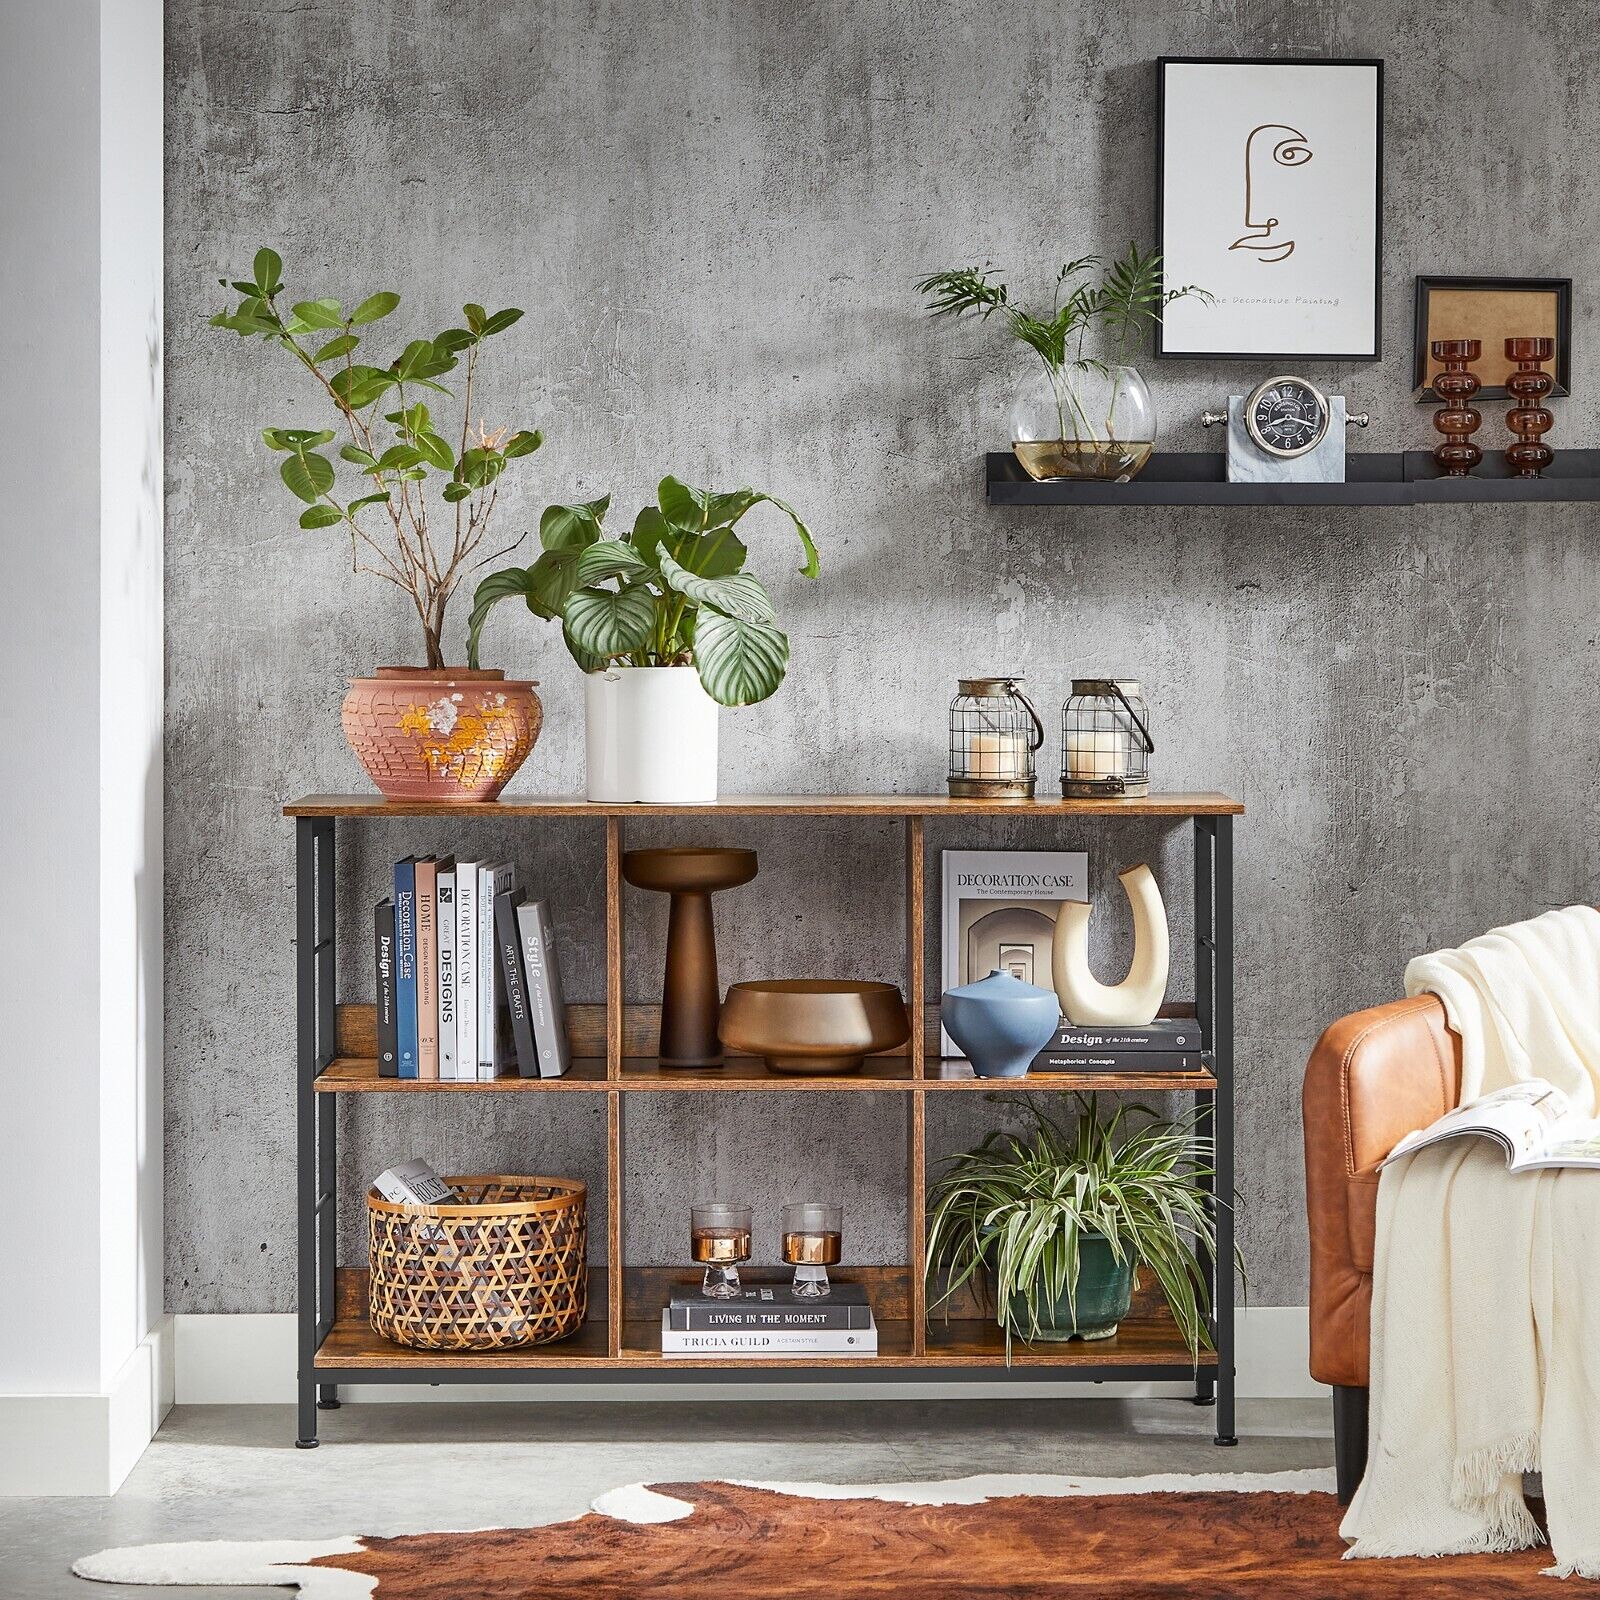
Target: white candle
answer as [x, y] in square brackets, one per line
[1093, 755]
[1002, 757]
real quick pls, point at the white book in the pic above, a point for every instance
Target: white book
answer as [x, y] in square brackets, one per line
[545, 1007]
[493, 879]
[467, 969]
[414, 1183]
[816, 1342]
[449, 1000]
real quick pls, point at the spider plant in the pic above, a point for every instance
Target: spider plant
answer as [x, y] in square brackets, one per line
[1123, 298]
[1010, 1215]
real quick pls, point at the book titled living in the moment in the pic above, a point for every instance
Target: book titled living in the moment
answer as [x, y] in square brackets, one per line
[999, 912]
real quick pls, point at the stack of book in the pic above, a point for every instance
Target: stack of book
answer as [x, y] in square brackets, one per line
[467, 981]
[770, 1320]
[1169, 1044]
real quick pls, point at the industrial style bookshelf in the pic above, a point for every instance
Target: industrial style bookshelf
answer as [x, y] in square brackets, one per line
[614, 1056]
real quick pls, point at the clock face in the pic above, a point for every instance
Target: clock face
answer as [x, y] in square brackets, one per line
[1286, 417]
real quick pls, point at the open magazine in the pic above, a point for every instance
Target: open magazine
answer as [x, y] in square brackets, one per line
[1534, 1122]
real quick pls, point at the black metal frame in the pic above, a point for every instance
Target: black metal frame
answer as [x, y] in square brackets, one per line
[1422, 362]
[317, 1154]
[1376, 63]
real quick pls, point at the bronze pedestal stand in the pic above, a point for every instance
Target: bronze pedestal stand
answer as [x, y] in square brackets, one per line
[690, 993]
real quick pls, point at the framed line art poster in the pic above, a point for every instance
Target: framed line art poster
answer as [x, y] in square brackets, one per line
[1268, 189]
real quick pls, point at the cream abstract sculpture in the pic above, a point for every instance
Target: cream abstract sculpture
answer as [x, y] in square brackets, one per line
[1136, 1000]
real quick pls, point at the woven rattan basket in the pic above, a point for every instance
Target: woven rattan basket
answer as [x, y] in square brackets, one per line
[508, 1268]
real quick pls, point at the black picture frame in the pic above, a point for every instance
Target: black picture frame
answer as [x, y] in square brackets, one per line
[1421, 362]
[1372, 62]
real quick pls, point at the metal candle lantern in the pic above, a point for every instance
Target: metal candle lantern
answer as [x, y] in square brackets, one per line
[1105, 739]
[994, 732]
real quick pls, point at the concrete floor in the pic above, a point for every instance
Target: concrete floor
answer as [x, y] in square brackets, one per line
[219, 1472]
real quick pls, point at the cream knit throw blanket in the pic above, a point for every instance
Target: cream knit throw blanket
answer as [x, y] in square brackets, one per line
[1486, 1286]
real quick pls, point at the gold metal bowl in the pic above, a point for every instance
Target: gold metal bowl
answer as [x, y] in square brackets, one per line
[813, 1025]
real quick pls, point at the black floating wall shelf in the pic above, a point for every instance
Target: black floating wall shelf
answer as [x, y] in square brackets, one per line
[1199, 478]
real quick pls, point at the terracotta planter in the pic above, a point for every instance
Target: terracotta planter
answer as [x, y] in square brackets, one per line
[453, 734]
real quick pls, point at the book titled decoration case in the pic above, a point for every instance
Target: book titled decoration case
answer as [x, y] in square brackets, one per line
[613, 1048]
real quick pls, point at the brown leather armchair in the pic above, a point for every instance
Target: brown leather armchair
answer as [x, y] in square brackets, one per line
[1373, 1077]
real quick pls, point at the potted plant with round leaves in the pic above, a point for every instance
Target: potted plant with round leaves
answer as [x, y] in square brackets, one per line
[417, 512]
[667, 625]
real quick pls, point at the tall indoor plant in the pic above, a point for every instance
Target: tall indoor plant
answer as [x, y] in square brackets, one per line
[667, 625]
[1052, 1224]
[434, 731]
[1076, 415]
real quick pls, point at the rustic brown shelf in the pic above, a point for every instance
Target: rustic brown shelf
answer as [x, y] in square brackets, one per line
[782, 805]
[614, 1049]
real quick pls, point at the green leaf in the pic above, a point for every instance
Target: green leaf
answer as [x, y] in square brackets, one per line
[587, 661]
[682, 506]
[475, 317]
[522, 443]
[606, 623]
[308, 476]
[354, 453]
[497, 586]
[268, 269]
[452, 340]
[810, 567]
[501, 320]
[366, 500]
[374, 307]
[319, 313]
[320, 516]
[342, 346]
[571, 527]
[739, 662]
[296, 438]
[413, 358]
[612, 558]
[457, 491]
[359, 386]
[551, 580]
[436, 450]
[398, 456]
[738, 595]
[717, 554]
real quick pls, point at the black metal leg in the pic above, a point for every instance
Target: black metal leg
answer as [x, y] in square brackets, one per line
[1222, 1034]
[327, 1397]
[1349, 1439]
[315, 1142]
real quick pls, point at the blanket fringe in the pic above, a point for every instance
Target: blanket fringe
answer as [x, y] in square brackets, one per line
[1478, 1485]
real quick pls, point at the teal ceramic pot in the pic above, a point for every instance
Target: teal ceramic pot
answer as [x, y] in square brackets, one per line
[1000, 1023]
[1102, 1298]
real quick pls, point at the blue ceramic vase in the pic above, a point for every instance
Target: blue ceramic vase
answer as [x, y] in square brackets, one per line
[1001, 1023]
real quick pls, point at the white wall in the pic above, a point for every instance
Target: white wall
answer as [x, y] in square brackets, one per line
[80, 807]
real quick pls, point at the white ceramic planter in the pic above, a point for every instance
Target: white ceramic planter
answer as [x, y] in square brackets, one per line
[651, 734]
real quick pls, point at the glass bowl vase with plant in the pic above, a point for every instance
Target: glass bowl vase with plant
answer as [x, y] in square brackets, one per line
[1075, 415]
[1050, 1225]
[417, 513]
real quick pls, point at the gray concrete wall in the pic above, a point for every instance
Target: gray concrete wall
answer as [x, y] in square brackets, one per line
[713, 214]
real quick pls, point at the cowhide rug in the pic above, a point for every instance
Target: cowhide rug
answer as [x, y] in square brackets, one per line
[1273, 1536]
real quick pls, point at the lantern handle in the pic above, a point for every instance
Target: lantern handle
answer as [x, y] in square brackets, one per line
[1038, 726]
[1138, 721]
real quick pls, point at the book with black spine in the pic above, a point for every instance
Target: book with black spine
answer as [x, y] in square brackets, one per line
[508, 940]
[1130, 1061]
[383, 963]
[543, 979]
[405, 963]
[494, 1034]
[768, 1342]
[1165, 1033]
[772, 1307]
[445, 894]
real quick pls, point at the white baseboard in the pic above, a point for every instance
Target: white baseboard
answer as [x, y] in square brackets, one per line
[250, 1360]
[86, 1444]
